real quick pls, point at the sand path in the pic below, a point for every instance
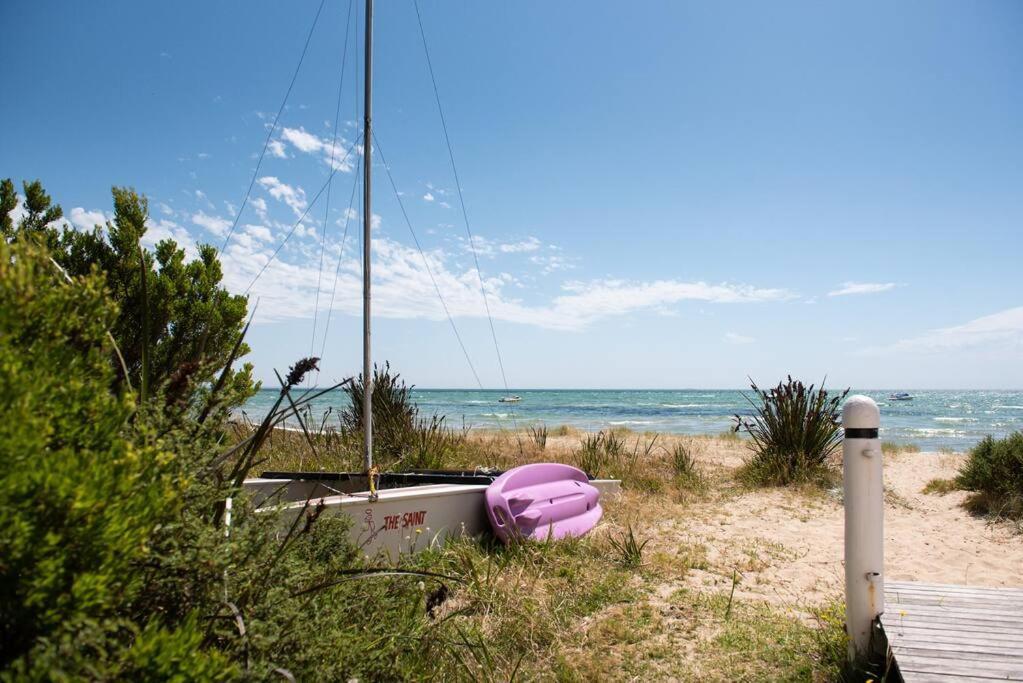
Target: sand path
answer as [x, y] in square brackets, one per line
[787, 546]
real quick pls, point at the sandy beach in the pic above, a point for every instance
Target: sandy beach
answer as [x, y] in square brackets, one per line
[786, 545]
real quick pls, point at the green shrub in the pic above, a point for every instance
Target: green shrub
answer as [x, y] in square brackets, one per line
[794, 431]
[176, 326]
[116, 562]
[402, 439]
[79, 504]
[994, 472]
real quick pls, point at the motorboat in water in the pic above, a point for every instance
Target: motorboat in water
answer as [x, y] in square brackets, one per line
[509, 399]
[900, 396]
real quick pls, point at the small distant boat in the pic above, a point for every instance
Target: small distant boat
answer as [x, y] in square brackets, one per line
[900, 396]
[509, 399]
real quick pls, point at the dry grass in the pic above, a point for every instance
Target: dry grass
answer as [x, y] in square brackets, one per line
[632, 599]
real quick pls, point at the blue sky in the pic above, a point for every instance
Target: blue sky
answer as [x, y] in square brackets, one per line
[665, 194]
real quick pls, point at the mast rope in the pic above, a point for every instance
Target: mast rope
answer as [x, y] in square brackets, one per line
[326, 211]
[301, 218]
[461, 199]
[337, 270]
[273, 127]
[426, 262]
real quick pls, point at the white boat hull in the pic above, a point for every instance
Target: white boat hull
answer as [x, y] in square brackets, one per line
[401, 520]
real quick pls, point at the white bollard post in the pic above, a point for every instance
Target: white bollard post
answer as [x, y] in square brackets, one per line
[863, 478]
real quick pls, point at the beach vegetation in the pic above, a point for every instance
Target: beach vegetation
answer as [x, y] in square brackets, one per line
[893, 448]
[628, 549]
[538, 434]
[993, 472]
[176, 326]
[940, 486]
[403, 439]
[795, 432]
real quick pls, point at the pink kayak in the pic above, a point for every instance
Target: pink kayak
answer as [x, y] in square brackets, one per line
[541, 500]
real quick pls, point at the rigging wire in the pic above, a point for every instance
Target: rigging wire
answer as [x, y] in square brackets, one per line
[333, 149]
[301, 218]
[337, 270]
[273, 127]
[426, 262]
[461, 199]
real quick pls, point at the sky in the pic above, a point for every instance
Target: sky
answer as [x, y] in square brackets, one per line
[662, 194]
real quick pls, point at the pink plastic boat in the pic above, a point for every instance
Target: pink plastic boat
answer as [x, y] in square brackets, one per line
[542, 500]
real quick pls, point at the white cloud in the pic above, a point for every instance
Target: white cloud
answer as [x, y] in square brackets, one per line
[215, 224]
[201, 196]
[428, 197]
[529, 244]
[444, 205]
[862, 288]
[734, 338]
[998, 330]
[303, 141]
[276, 148]
[402, 288]
[86, 220]
[162, 229]
[260, 232]
[165, 209]
[282, 192]
[259, 204]
[551, 263]
[310, 143]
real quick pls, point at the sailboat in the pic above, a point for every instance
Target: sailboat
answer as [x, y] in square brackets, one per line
[390, 513]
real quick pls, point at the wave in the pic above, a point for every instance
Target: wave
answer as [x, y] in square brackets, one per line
[924, 431]
[955, 419]
[1008, 407]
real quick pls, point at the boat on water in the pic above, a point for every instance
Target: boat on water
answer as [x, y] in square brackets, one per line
[401, 513]
[900, 396]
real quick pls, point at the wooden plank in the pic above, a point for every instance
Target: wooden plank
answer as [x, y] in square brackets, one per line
[964, 626]
[954, 666]
[978, 652]
[944, 601]
[944, 632]
[927, 677]
[926, 633]
[951, 588]
[902, 597]
[1007, 614]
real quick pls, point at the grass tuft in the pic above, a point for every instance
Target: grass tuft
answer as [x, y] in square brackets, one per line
[628, 549]
[795, 432]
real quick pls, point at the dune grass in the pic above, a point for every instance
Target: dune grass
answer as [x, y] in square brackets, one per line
[595, 608]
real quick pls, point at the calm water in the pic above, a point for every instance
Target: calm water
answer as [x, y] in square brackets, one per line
[932, 420]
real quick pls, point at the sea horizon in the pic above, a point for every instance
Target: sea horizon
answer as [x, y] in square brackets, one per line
[933, 420]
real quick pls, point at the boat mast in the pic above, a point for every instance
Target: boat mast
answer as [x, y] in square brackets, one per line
[367, 146]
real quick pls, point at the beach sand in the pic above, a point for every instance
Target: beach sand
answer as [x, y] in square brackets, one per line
[785, 546]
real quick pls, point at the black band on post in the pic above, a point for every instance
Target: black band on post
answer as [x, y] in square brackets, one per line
[861, 433]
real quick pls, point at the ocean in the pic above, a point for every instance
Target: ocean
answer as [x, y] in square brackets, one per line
[933, 420]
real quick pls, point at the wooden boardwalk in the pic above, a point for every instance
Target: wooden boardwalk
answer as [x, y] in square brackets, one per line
[954, 633]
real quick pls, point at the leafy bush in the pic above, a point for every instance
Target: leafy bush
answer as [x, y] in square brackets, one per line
[79, 505]
[176, 327]
[994, 472]
[116, 560]
[795, 430]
